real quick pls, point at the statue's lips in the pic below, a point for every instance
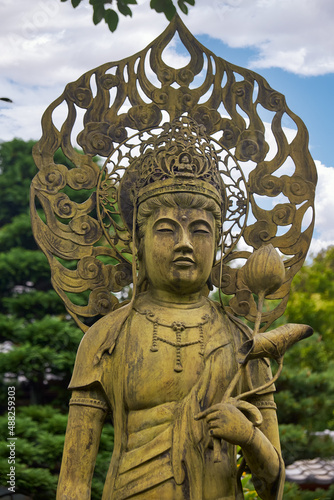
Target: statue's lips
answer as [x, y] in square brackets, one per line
[184, 261]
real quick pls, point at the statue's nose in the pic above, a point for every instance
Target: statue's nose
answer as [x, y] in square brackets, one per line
[184, 243]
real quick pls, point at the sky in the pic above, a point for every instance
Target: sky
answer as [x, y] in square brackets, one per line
[44, 44]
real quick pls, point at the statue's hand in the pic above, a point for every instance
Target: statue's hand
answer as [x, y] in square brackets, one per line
[228, 421]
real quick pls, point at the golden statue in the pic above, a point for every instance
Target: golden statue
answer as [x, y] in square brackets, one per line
[185, 380]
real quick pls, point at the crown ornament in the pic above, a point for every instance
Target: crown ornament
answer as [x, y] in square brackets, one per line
[175, 157]
[180, 159]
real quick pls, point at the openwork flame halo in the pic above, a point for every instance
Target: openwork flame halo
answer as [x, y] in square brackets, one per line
[123, 105]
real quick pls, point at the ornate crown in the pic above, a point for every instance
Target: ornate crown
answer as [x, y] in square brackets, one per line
[179, 159]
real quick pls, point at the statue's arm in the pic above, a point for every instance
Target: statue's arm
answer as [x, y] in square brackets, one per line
[82, 441]
[269, 427]
[262, 454]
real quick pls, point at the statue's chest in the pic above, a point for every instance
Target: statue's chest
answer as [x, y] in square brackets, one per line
[164, 358]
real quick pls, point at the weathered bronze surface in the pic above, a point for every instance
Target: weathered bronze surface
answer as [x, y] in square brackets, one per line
[187, 166]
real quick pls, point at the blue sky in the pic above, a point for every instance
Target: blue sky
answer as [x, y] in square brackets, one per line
[310, 97]
[46, 44]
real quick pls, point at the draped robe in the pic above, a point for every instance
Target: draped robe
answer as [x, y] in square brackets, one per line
[160, 450]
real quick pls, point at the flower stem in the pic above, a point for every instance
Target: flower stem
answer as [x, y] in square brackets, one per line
[259, 313]
[236, 378]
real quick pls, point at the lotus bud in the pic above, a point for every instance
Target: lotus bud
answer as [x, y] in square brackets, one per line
[273, 344]
[264, 271]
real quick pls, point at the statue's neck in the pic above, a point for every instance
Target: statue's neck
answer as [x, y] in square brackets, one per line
[168, 299]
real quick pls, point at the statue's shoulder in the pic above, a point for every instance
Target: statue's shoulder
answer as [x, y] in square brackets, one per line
[100, 339]
[102, 336]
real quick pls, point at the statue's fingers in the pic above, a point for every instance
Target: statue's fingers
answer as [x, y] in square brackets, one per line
[205, 413]
[250, 411]
[213, 417]
[201, 414]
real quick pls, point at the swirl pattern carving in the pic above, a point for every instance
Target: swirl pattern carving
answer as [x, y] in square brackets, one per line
[121, 104]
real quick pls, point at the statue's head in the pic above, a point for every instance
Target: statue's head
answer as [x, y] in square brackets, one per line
[172, 198]
[177, 238]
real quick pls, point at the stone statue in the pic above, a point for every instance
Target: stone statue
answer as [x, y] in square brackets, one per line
[187, 383]
[162, 364]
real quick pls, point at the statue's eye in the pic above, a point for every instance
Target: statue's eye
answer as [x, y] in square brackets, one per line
[200, 229]
[165, 228]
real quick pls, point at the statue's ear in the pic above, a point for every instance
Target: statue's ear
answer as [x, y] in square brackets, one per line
[140, 247]
[215, 254]
[141, 275]
[209, 283]
[142, 281]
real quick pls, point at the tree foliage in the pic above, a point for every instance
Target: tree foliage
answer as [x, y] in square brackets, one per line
[101, 9]
[38, 340]
[41, 346]
[41, 432]
[304, 400]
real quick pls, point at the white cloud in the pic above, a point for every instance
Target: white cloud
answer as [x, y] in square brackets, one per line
[48, 44]
[292, 35]
[324, 209]
[50, 40]
[22, 118]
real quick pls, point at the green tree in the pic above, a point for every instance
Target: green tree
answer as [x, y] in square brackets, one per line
[305, 387]
[111, 17]
[41, 432]
[38, 341]
[40, 346]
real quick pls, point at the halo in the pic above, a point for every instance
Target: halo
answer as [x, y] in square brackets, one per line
[108, 112]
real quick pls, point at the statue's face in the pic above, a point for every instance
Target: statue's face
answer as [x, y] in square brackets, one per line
[179, 247]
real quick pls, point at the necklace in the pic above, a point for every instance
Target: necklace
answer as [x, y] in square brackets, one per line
[178, 327]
